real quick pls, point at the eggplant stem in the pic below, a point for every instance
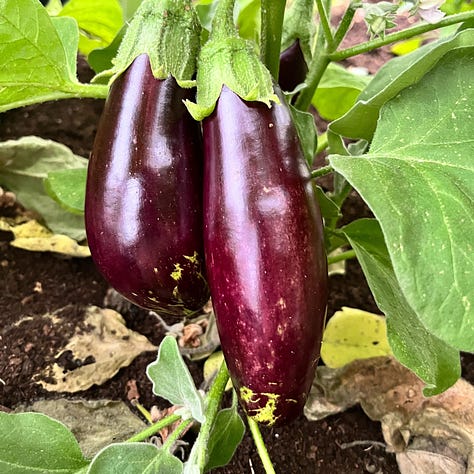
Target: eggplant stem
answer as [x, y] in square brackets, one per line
[260, 445]
[342, 256]
[323, 171]
[175, 435]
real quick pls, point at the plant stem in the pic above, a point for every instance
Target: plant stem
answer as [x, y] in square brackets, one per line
[260, 445]
[399, 35]
[323, 171]
[213, 400]
[318, 65]
[342, 256]
[325, 24]
[272, 12]
[92, 91]
[344, 25]
[171, 439]
[153, 429]
[143, 411]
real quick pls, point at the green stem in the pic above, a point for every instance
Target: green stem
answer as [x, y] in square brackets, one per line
[272, 12]
[344, 26]
[260, 445]
[143, 411]
[318, 65]
[323, 171]
[324, 20]
[223, 22]
[153, 429]
[213, 400]
[342, 256]
[171, 439]
[399, 35]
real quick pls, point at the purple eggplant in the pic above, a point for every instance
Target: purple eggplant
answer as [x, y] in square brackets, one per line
[265, 258]
[293, 67]
[143, 207]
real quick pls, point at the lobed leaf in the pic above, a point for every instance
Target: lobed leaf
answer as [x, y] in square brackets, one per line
[435, 362]
[418, 179]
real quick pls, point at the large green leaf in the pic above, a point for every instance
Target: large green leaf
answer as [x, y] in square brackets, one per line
[172, 380]
[134, 458]
[436, 363]
[25, 163]
[98, 22]
[68, 188]
[394, 76]
[418, 179]
[38, 56]
[32, 443]
[338, 91]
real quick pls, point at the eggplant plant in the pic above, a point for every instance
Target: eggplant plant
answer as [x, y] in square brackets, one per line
[203, 181]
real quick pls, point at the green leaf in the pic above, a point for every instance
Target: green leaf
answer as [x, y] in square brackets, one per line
[24, 164]
[418, 179]
[306, 128]
[98, 22]
[101, 59]
[436, 363]
[226, 435]
[34, 443]
[134, 458]
[248, 19]
[338, 91]
[329, 209]
[68, 188]
[172, 380]
[129, 7]
[38, 56]
[394, 76]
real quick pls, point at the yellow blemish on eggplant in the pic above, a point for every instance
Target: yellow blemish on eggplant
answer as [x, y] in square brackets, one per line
[155, 270]
[193, 258]
[266, 414]
[177, 273]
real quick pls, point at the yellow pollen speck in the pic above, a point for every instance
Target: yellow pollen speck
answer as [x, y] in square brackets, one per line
[192, 258]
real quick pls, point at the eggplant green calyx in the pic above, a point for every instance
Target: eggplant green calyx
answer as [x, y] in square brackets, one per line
[227, 59]
[168, 31]
[298, 25]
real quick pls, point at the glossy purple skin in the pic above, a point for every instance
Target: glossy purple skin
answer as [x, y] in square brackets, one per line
[265, 255]
[143, 208]
[293, 67]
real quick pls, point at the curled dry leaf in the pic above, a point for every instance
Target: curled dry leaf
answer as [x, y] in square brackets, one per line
[390, 393]
[99, 348]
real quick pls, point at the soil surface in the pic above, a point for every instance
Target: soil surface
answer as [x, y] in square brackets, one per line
[34, 283]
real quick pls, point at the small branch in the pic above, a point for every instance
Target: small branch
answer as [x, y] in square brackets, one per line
[146, 414]
[325, 24]
[272, 12]
[323, 171]
[260, 445]
[171, 439]
[399, 35]
[342, 256]
[213, 400]
[153, 429]
[344, 26]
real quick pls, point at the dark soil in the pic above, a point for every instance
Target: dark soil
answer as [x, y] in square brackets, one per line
[302, 447]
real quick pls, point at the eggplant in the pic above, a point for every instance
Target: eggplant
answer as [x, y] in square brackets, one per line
[293, 67]
[143, 207]
[264, 254]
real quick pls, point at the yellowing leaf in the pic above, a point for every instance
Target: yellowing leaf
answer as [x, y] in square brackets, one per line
[33, 236]
[407, 46]
[354, 334]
